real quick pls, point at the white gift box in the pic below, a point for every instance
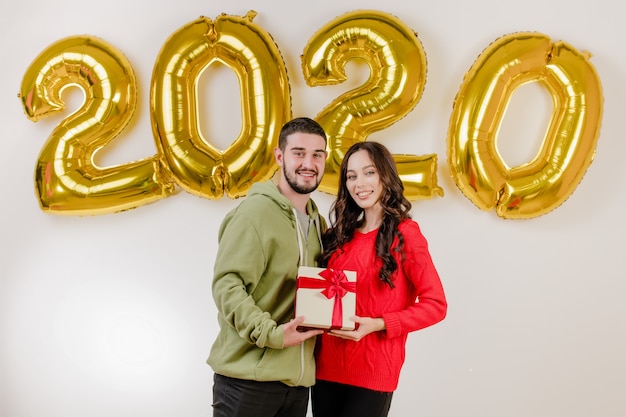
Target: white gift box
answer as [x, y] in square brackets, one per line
[326, 298]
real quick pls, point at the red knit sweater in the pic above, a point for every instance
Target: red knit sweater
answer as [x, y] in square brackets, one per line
[416, 302]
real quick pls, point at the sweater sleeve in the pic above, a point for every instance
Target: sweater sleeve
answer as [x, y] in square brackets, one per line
[239, 264]
[426, 303]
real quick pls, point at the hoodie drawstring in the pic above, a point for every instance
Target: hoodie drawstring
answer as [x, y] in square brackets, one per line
[303, 255]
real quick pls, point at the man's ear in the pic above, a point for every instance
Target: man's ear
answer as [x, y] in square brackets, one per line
[278, 155]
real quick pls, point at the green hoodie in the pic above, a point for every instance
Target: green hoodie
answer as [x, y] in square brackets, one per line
[254, 287]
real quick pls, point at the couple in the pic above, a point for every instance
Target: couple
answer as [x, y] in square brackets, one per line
[263, 364]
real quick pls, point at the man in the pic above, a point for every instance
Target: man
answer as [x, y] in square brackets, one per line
[263, 365]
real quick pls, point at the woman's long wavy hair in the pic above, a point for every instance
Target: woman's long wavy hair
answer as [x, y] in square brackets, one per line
[346, 216]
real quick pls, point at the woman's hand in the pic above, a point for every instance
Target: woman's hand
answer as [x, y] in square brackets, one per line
[365, 326]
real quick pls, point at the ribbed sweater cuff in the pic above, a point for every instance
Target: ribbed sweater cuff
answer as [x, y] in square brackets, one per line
[392, 324]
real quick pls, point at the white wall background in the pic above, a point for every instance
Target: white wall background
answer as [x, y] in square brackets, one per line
[111, 316]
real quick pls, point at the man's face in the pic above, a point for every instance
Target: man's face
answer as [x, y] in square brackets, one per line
[303, 161]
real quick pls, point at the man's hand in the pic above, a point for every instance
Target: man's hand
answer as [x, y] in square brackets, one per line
[293, 337]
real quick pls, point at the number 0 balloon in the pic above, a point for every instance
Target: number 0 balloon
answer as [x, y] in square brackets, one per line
[568, 149]
[196, 165]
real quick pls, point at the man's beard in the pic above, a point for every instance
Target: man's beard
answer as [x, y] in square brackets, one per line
[300, 189]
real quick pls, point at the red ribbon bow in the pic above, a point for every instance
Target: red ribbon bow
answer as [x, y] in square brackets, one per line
[336, 285]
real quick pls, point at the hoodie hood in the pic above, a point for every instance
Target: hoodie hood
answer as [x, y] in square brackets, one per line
[270, 189]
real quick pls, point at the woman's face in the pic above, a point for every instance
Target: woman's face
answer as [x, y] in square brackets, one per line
[362, 180]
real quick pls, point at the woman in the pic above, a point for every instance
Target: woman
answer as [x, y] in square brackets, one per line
[398, 288]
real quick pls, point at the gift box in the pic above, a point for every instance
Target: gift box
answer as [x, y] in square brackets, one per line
[326, 298]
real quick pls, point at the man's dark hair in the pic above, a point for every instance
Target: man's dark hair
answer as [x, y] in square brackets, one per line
[299, 125]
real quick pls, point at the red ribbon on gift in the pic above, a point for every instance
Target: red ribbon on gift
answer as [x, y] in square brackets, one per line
[336, 285]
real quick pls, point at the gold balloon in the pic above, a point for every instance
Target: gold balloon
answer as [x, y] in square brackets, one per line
[196, 165]
[537, 187]
[67, 181]
[397, 65]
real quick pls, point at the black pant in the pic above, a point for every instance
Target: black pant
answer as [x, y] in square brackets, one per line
[330, 399]
[234, 397]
